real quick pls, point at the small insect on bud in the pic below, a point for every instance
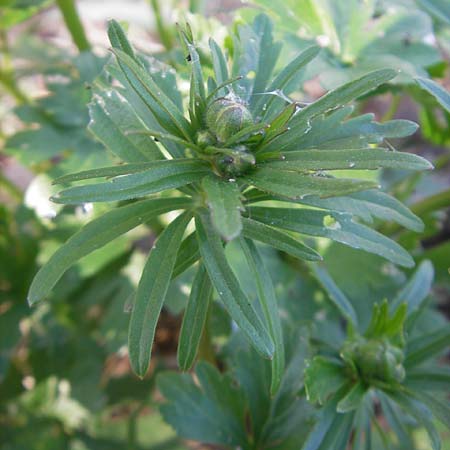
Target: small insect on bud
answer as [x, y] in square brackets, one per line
[236, 163]
[225, 117]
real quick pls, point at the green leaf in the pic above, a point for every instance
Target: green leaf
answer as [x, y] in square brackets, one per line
[339, 299]
[111, 119]
[439, 409]
[254, 57]
[323, 377]
[282, 80]
[151, 293]
[336, 226]
[219, 64]
[159, 176]
[366, 158]
[296, 186]
[118, 38]
[164, 110]
[420, 412]
[427, 346]
[417, 288]
[95, 235]
[429, 379]
[224, 202]
[228, 288]
[188, 254]
[352, 399]
[211, 411]
[194, 320]
[368, 204]
[269, 306]
[340, 96]
[104, 172]
[279, 240]
[438, 92]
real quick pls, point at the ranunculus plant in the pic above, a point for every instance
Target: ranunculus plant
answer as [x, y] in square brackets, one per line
[243, 162]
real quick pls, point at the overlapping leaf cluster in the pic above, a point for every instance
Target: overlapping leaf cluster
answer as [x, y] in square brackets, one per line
[387, 363]
[284, 156]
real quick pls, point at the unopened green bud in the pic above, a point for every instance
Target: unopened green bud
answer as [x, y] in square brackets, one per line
[225, 117]
[235, 163]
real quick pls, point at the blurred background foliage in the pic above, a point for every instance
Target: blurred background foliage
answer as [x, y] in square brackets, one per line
[65, 380]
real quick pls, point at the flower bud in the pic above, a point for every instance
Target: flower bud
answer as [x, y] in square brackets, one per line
[226, 117]
[235, 163]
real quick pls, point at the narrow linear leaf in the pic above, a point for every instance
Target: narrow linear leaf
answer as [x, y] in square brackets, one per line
[164, 110]
[194, 319]
[430, 379]
[439, 409]
[420, 412]
[269, 306]
[104, 172]
[334, 99]
[296, 186]
[437, 91]
[366, 158]
[95, 235]
[224, 201]
[427, 346]
[277, 239]
[151, 293]
[188, 254]
[339, 299]
[336, 226]
[159, 176]
[417, 288]
[283, 79]
[228, 288]
[111, 118]
[118, 38]
[368, 204]
[219, 64]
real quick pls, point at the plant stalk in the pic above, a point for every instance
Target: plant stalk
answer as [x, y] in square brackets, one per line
[163, 32]
[73, 24]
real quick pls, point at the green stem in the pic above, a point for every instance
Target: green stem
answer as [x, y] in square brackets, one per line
[392, 110]
[73, 24]
[163, 31]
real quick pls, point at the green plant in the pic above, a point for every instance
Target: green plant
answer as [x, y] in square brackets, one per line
[244, 142]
